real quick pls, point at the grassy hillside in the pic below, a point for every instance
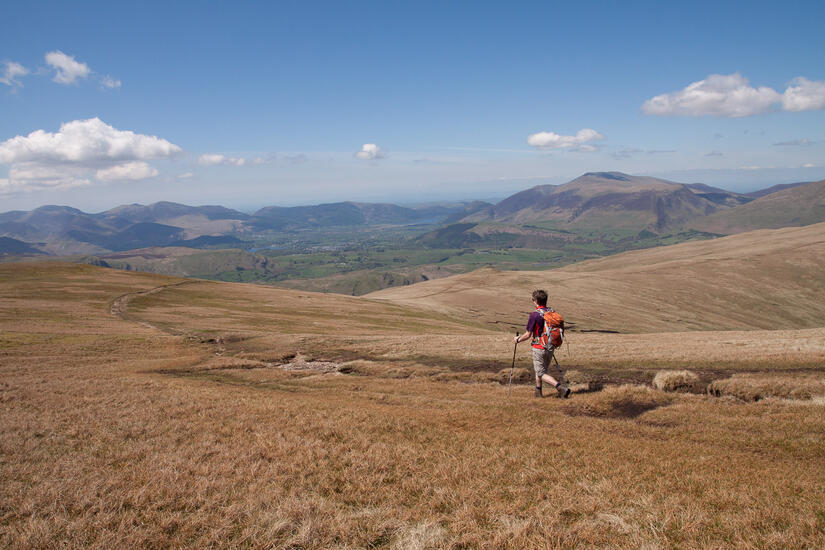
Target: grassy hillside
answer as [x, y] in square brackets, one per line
[763, 279]
[797, 205]
[160, 412]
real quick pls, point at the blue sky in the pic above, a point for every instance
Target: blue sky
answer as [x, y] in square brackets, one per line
[249, 104]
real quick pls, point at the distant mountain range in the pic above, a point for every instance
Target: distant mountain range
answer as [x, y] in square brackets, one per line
[62, 230]
[596, 203]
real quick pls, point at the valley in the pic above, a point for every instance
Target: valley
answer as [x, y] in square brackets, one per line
[357, 248]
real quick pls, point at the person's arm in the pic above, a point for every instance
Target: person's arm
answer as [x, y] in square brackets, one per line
[523, 337]
[528, 333]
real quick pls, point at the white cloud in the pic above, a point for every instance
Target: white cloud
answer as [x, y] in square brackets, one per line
[11, 72]
[717, 95]
[370, 151]
[82, 141]
[67, 69]
[213, 159]
[579, 142]
[804, 95]
[109, 82]
[809, 165]
[80, 149]
[32, 176]
[186, 175]
[137, 170]
[732, 96]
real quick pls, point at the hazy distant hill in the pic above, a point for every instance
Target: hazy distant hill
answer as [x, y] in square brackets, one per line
[66, 230]
[793, 205]
[165, 212]
[13, 247]
[774, 189]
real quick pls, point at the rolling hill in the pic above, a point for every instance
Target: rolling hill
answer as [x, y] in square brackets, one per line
[761, 279]
[174, 413]
[794, 205]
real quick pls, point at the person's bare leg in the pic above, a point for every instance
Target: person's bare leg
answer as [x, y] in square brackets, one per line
[547, 378]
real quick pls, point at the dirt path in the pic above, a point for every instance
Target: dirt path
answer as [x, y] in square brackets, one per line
[120, 305]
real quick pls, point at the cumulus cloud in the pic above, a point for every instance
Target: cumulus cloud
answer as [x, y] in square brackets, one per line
[213, 159]
[733, 96]
[370, 151]
[67, 69]
[804, 95]
[717, 95]
[186, 175]
[128, 171]
[579, 142]
[82, 141]
[11, 71]
[80, 149]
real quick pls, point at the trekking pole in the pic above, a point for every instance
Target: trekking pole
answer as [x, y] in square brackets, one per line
[515, 345]
[558, 368]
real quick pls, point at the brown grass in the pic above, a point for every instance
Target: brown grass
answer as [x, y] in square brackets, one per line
[674, 380]
[722, 284]
[750, 387]
[625, 401]
[116, 434]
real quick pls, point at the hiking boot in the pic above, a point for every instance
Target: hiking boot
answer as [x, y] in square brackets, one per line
[564, 391]
[537, 392]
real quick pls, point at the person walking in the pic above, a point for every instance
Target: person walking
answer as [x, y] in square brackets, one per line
[542, 349]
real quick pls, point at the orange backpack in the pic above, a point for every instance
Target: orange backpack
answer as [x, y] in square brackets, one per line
[553, 334]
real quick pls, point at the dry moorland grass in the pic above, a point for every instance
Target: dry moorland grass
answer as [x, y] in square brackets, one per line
[117, 434]
[765, 279]
[750, 387]
[674, 380]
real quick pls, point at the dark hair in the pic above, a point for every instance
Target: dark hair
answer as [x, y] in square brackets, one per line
[540, 297]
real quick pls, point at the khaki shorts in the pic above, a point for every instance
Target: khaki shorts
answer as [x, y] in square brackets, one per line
[541, 360]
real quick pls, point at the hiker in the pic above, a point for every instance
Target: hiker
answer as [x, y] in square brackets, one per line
[542, 349]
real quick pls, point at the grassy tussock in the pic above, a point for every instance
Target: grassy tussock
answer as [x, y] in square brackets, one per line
[674, 380]
[583, 382]
[625, 401]
[753, 387]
